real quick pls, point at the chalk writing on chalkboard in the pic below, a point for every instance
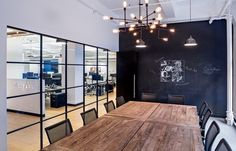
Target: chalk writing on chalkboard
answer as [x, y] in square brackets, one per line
[153, 72]
[190, 69]
[160, 59]
[210, 69]
[172, 71]
[182, 84]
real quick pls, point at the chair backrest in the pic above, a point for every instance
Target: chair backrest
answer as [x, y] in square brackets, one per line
[212, 132]
[89, 116]
[109, 106]
[202, 109]
[120, 101]
[223, 146]
[206, 116]
[59, 130]
[148, 96]
[175, 99]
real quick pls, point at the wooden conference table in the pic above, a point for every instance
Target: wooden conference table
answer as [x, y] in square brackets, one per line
[138, 126]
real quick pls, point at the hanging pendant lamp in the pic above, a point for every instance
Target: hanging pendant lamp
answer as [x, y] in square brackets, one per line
[140, 43]
[190, 42]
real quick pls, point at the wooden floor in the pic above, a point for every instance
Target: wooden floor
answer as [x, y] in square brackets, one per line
[29, 139]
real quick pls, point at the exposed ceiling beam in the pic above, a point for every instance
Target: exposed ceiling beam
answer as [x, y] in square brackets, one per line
[167, 9]
[150, 4]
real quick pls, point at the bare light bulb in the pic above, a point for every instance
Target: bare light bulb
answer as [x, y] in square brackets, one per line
[106, 18]
[156, 22]
[131, 29]
[135, 34]
[122, 23]
[132, 16]
[151, 31]
[124, 4]
[137, 41]
[132, 25]
[115, 31]
[163, 25]
[165, 39]
[159, 17]
[146, 1]
[153, 26]
[172, 30]
[158, 9]
[141, 17]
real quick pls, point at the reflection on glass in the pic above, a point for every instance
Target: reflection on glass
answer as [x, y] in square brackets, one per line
[102, 82]
[102, 57]
[111, 76]
[54, 76]
[90, 55]
[53, 52]
[22, 46]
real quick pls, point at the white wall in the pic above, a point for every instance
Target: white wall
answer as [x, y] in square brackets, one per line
[234, 70]
[3, 117]
[62, 18]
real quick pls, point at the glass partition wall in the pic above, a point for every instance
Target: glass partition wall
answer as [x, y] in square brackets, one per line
[50, 79]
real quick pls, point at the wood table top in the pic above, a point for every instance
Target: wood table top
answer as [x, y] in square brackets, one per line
[138, 126]
[176, 114]
[137, 110]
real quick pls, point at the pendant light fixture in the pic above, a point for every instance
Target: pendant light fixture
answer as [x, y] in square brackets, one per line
[139, 42]
[190, 42]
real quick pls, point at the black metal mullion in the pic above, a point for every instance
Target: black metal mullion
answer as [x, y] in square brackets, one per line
[66, 78]
[83, 80]
[107, 76]
[41, 92]
[97, 81]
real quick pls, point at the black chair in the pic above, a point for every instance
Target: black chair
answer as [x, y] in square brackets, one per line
[223, 146]
[148, 96]
[109, 106]
[89, 116]
[59, 130]
[203, 122]
[120, 101]
[212, 132]
[176, 99]
[202, 109]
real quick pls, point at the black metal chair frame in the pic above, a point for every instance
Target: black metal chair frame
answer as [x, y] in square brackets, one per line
[117, 104]
[225, 143]
[90, 110]
[56, 125]
[202, 109]
[218, 131]
[201, 122]
[106, 105]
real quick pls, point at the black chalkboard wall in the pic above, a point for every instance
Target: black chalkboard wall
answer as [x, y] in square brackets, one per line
[205, 66]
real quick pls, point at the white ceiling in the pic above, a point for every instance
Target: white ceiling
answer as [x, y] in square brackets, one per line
[173, 10]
